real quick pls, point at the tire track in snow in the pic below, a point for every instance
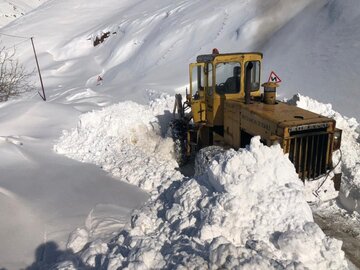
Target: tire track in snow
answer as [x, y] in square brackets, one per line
[339, 226]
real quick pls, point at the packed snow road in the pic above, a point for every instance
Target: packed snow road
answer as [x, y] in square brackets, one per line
[342, 225]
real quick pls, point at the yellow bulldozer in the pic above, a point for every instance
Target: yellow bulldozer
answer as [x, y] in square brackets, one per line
[226, 106]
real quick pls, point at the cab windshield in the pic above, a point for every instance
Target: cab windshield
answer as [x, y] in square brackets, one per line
[228, 78]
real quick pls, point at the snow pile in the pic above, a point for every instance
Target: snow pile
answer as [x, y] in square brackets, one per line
[125, 140]
[247, 210]
[350, 150]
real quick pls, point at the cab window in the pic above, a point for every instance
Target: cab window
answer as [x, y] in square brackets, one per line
[197, 79]
[209, 72]
[255, 75]
[228, 77]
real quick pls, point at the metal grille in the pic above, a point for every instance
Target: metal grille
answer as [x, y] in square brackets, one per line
[308, 152]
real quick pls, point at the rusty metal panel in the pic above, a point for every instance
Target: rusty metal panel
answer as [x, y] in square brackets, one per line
[255, 125]
[232, 123]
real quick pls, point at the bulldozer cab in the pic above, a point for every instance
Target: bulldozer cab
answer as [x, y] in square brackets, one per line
[219, 77]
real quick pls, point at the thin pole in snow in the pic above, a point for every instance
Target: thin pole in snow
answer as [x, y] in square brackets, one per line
[38, 67]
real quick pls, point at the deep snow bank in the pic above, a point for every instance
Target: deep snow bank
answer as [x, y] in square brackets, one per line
[125, 139]
[349, 194]
[246, 210]
[255, 218]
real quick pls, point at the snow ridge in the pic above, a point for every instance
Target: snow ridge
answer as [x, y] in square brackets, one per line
[192, 225]
[125, 140]
[247, 210]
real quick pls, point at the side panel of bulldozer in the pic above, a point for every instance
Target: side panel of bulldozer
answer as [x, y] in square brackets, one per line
[232, 124]
[198, 109]
[241, 124]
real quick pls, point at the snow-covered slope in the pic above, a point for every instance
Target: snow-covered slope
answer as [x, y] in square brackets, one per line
[150, 43]
[315, 54]
[11, 10]
[147, 52]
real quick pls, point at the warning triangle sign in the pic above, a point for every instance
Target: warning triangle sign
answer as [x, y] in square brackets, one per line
[274, 78]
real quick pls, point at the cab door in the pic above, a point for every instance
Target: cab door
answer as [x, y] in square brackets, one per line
[225, 85]
[197, 92]
[211, 98]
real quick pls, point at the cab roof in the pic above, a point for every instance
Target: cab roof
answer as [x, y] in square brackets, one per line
[210, 57]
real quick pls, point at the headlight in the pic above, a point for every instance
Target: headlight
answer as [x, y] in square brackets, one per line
[337, 139]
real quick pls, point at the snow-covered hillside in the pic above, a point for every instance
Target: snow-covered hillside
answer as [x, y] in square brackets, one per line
[11, 10]
[113, 132]
[315, 54]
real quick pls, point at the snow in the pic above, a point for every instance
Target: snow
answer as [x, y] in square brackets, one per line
[131, 148]
[227, 211]
[71, 167]
[315, 54]
[10, 10]
[40, 188]
[252, 218]
[341, 224]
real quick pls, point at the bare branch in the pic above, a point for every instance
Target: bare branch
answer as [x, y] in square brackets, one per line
[14, 79]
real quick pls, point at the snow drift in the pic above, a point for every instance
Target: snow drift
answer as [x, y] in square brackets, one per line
[126, 140]
[247, 210]
[255, 218]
